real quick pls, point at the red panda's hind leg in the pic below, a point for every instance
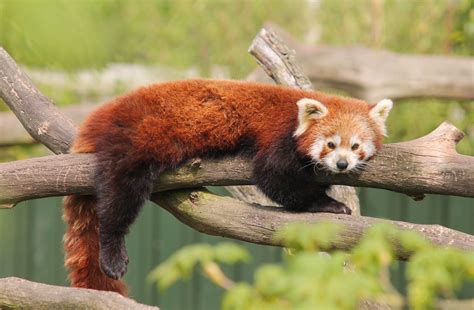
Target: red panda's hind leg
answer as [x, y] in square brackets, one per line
[122, 188]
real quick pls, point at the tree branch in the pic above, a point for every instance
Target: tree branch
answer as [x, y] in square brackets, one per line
[376, 74]
[228, 217]
[13, 133]
[17, 293]
[36, 112]
[426, 165]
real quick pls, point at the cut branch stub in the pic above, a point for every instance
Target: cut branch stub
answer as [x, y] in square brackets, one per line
[36, 112]
[278, 60]
[228, 217]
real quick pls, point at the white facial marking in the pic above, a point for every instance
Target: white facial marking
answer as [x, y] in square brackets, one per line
[369, 149]
[336, 139]
[354, 139]
[379, 113]
[316, 148]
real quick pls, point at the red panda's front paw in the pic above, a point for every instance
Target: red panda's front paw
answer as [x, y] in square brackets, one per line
[113, 260]
[331, 206]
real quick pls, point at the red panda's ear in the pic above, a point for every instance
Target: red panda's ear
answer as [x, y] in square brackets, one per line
[379, 113]
[308, 109]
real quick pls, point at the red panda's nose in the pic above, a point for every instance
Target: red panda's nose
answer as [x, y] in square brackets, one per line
[342, 164]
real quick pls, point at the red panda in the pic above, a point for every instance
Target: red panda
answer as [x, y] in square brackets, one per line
[286, 132]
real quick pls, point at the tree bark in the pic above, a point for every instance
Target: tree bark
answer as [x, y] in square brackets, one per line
[36, 112]
[13, 133]
[426, 165]
[17, 293]
[228, 217]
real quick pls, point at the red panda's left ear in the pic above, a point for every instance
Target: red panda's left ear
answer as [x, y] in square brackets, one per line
[379, 113]
[308, 109]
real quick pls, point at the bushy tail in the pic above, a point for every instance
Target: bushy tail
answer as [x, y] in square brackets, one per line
[81, 246]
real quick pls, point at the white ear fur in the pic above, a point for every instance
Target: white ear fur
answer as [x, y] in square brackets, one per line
[308, 109]
[379, 113]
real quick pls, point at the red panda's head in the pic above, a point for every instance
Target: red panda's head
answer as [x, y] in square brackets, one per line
[340, 134]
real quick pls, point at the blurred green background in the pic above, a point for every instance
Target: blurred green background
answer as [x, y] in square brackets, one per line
[72, 35]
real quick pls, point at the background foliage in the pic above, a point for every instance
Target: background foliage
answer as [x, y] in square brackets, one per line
[309, 279]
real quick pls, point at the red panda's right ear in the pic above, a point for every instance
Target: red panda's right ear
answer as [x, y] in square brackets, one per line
[308, 109]
[379, 113]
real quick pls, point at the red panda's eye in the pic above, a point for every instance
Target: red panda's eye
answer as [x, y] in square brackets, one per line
[331, 145]
[355, 146]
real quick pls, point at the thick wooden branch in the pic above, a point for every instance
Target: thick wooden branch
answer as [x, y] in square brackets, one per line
[376, 74]
[17, 293]
[36, 112]
[13, 133]
[228, 217]
[426, 165]
[60, 175]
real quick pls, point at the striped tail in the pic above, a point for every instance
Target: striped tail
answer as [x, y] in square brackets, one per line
[81, 246]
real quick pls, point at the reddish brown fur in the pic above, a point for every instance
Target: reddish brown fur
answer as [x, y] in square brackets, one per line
[173, 121]
[81, 245]
[215, 114]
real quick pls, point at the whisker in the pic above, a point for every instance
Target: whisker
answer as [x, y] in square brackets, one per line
[320, 167]
[311, 163]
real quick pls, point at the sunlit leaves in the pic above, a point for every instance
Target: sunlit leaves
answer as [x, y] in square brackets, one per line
[437, 271]
[307, 237]
[308, 279]
[182, 263]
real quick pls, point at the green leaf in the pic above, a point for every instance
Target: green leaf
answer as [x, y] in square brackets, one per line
[307, 237]
[239, 297]
[271, 281]
[230, 253]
